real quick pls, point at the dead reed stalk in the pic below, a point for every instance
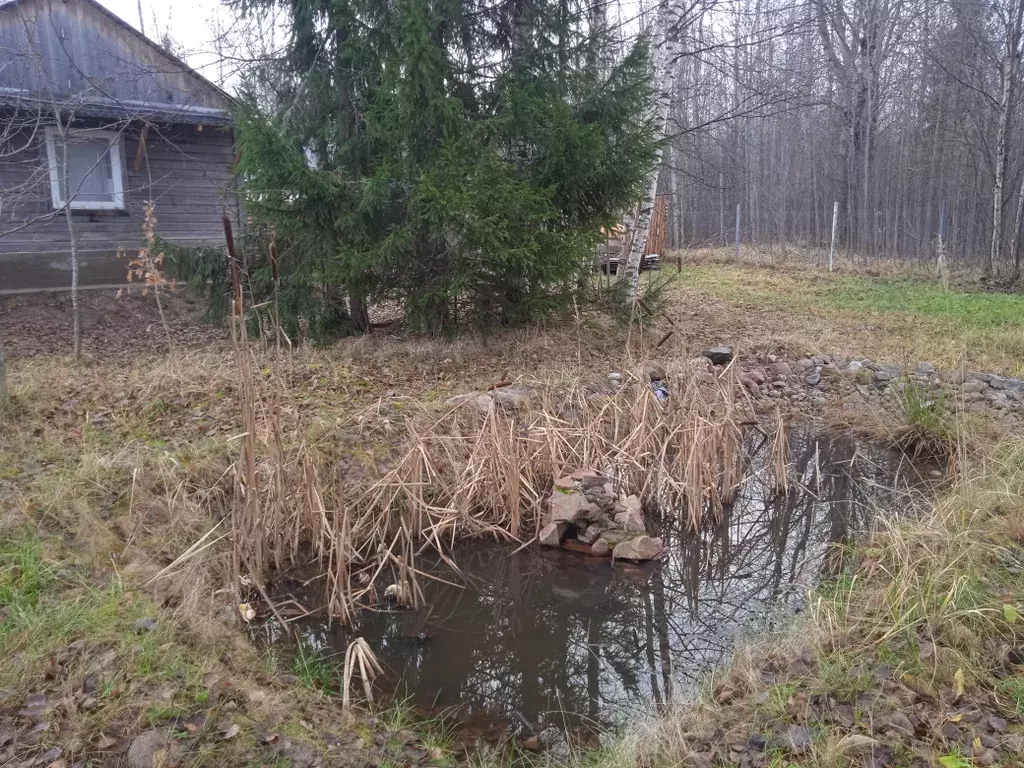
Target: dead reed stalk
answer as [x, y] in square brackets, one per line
[471, 472]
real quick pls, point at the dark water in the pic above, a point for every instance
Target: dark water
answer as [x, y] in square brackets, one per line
[549, 638]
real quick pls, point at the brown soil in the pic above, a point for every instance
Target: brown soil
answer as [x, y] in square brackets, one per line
[113, 328]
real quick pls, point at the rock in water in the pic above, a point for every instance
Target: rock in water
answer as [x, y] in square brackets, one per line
[639, 548]
[589, 478]
[601, 548]
[568, 507]
[633, 502]
[718, 355]
[631, 521]
[551, 535]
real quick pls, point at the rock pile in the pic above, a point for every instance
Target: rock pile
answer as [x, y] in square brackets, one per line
[586, 514]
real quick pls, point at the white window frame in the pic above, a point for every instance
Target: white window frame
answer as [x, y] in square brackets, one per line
[116, 170]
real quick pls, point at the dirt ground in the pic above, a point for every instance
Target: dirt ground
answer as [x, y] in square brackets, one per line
[40, 324]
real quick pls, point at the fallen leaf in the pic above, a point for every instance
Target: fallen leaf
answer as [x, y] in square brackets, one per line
[855, 744]
[1010, 613]
[958, 682]
[231, 732]
[105, 741]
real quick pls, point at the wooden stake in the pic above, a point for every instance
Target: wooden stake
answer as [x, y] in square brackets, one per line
[832, 248]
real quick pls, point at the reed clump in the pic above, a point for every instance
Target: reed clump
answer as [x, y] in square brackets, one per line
[482, 468]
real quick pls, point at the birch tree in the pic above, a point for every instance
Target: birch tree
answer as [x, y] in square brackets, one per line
[672, 20]
[1010, 16]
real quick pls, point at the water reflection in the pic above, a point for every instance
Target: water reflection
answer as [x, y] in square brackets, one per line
[553, 638]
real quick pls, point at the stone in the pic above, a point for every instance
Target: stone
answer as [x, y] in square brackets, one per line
[1000, 401]
[567, 483]
[749, 383]
[601, 548]
[639, 548]
[615, 377]
[145, 624]
[633, 502]
[853, 367]
[551, 535]
[781, 369]
[997, 382]
[613, 537]
[974, 386]
[813, 380]
[819, 402]
[654, 371]
[512, 396]
[925, 369]
[806, 363]
[474, 400]
[567, 507]
[1015, 384]
[631, 521]
[155, 748]
[589, 478]
[593, 531]
[718, 355]
[883, 375]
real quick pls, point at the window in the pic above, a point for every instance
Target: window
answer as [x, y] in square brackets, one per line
[93, 172]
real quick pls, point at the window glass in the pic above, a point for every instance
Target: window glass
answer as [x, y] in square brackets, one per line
[90, 175]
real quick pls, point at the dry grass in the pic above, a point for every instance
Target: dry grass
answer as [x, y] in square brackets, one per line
[899, 319]
[801, 258]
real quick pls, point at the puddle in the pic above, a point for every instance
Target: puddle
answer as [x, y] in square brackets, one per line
[544, 638]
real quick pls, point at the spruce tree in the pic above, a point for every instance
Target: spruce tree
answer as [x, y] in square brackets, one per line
[457, 156]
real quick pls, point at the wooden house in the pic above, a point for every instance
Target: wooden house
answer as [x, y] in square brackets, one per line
[95, 120]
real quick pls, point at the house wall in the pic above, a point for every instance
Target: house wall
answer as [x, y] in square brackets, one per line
[185, 170]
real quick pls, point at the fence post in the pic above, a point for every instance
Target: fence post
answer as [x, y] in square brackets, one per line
[832, 247]
[737, 232]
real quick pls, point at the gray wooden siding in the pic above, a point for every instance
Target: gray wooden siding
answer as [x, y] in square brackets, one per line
[73, 49]
[186, 171]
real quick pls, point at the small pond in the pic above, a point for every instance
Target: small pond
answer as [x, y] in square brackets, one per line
[542, 638]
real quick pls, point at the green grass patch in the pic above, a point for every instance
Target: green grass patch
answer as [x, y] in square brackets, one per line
[975, 309]
[316, 672]
[863, 295]
[49, 607]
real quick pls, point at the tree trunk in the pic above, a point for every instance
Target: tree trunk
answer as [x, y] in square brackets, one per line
[665, 68]
[1017, 220]
[76, 322]
[1005, 90]
[3, 373]
[1007, 82]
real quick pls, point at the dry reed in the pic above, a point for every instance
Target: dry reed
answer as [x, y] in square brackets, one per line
[473, 472]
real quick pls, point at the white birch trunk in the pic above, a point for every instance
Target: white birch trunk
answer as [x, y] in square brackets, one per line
[665, 68]
[1001, 157]
[1015, 239]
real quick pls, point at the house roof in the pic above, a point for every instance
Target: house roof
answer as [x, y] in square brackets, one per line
[103, 107]
[158, 112]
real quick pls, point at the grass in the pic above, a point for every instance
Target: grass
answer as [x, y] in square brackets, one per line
[108, 472]
[316, 672]
[895, 319]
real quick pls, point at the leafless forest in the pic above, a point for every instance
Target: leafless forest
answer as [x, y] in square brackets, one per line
[904, 112]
